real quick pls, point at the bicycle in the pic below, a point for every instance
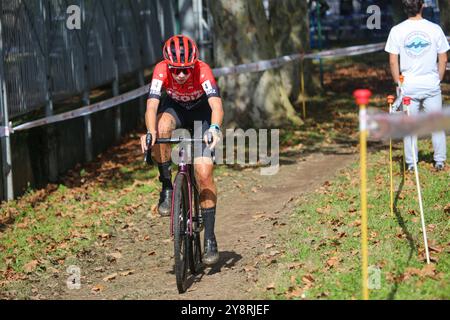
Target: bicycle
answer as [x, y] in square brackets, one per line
[185, 218]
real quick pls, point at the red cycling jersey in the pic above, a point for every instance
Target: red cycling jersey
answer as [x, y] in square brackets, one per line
[200, 82]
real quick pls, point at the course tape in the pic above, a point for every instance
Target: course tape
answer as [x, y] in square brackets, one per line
[5, 131]
[275, 63]
[243, 68]
[383, 126]
[84, 111]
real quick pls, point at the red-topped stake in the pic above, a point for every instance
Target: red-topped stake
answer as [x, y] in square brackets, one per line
[362, 96]
[406, 101]
[390, 99]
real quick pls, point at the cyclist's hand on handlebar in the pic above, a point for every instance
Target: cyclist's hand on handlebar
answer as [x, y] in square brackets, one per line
[144, 142]
[212, 137]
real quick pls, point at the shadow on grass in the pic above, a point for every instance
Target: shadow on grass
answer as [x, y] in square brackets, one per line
[402, 224]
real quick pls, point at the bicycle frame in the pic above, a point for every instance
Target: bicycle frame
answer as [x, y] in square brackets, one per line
[184, 169]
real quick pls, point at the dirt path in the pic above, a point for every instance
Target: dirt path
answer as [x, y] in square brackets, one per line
[251, 209]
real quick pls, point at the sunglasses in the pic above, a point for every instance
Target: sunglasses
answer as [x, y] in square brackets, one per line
[177, 71]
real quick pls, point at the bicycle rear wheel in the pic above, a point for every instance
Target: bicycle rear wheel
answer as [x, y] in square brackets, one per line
[182, 243]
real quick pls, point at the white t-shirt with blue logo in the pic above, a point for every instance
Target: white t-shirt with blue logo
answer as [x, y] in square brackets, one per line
[418, 42]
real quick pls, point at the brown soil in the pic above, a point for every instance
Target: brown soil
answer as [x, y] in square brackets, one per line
[252, 210]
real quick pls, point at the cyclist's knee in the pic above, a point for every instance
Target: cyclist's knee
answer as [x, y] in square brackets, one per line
[166, 124]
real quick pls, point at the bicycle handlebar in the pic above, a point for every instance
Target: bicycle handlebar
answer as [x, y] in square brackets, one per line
[148, 141]
[176, 140]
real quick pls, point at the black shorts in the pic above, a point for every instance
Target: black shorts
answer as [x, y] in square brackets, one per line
[197, 120]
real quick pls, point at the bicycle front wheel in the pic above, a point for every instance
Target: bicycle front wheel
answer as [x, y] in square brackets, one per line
[181, 232]
[195, 253]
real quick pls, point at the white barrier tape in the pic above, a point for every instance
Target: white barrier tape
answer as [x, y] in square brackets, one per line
[84, 111]
[275, 63]
[4, 132]
[349, 51]
[383, 126]
[243, 68]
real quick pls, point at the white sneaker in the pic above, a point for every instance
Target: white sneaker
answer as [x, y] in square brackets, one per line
[410, 167]
[439, 165]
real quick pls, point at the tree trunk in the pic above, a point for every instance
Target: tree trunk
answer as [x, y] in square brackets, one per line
[444, 8]
[289, 23]
[242, 35]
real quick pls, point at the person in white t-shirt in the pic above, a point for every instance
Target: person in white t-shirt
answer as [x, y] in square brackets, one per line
[422, 47]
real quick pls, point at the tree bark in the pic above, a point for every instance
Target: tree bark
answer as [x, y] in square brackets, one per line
[242, 35]
[289, 23]
[444, 8]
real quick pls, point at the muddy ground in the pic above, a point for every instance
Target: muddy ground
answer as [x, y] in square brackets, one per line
[136, 262]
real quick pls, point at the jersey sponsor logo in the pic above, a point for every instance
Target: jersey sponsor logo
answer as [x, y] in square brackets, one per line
[208, 88]
[156, 87]
[417, 44]
[185, 97]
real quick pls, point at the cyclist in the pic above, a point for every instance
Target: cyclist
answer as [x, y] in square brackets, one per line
[191, 95]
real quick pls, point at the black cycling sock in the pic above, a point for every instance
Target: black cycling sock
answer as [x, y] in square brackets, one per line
[209, 218]
[165, 175]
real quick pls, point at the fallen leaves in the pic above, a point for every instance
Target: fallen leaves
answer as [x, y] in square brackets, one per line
[428, 271]
[270, 286]
[127, 273]
[332, 262]
[97, 288]
[112, 257]
[110, 277]
[104, 236]
[308, 279]
[294, 293]
[324, 210]
[295, 265]
[355, 223]
[447, 208]
[30, 266]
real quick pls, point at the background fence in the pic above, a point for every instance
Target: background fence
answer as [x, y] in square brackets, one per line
[48, 64]
[43, 58]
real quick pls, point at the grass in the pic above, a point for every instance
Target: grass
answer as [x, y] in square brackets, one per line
[44, 228]
[323, 243]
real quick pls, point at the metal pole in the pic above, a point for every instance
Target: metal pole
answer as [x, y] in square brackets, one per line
[88, 149]
[88, 153]
[302, 81]
[117, 111]
[4, 117]
[140, 25]
[51, 140]
[115, 85]
[319, 30]
[142, 100]
[200, 28]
